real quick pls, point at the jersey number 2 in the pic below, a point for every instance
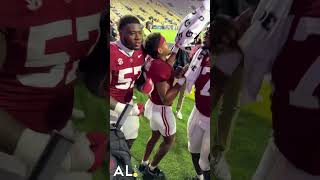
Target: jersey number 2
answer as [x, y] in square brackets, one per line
[302, 95]
[205, 90]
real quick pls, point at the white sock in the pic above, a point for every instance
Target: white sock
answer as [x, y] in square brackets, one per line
[152, 167]
[145, 162]
[200, 177]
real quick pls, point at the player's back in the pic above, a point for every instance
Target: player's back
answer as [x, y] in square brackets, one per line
[125, 70]
[159, 71]
[296, 89]
[44, 43]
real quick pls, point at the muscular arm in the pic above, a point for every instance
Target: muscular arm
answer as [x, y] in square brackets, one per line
[166, 93]
[229, 108]
[217, 85]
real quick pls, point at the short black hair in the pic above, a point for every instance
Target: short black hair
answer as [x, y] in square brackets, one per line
[151, 44]
[127, 19]
[148, 22]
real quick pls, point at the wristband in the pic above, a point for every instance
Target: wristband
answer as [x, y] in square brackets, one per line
[119, 107]
[30, 146]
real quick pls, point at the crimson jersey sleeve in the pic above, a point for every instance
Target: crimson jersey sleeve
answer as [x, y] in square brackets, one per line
[9, 13]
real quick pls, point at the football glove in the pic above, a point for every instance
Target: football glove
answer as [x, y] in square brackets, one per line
[137, 109]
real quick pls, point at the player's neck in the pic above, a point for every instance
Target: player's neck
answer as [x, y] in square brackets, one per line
[163, 57]
[125, 49]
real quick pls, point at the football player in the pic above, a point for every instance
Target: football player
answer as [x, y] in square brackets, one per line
[198, 75]
[158, 108]
[285, 41]
[279, 38]
[39, 57]
[126, 61]
[226, 86]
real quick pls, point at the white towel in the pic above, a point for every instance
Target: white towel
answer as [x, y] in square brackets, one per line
[262, 43]
[194, 68]
[192, 25]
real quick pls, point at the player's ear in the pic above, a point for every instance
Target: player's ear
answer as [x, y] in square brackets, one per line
[160, 50]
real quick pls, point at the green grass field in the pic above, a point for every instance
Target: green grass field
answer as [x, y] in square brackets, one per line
[96, 112]
[168, 34]
[250, 136]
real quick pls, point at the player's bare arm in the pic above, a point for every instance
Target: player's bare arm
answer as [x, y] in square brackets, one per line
[166, 93]
[218, 84]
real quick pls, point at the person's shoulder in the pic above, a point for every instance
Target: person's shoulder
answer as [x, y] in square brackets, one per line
[114, 45]
[114, 48]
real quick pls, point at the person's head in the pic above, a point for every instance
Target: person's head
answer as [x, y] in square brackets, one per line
[156, 46]
[149, 25]
[130, 32]
[223, 34]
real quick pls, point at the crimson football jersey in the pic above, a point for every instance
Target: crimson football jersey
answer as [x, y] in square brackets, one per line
[159, 71]
[202, 88]
[45, 42]
[296, 89]
[125, 70]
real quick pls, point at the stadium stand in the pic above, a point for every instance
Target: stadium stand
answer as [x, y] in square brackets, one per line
[165, 14]
[182, 8]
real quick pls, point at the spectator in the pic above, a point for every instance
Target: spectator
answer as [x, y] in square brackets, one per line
[113, 34]
[147, 29]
